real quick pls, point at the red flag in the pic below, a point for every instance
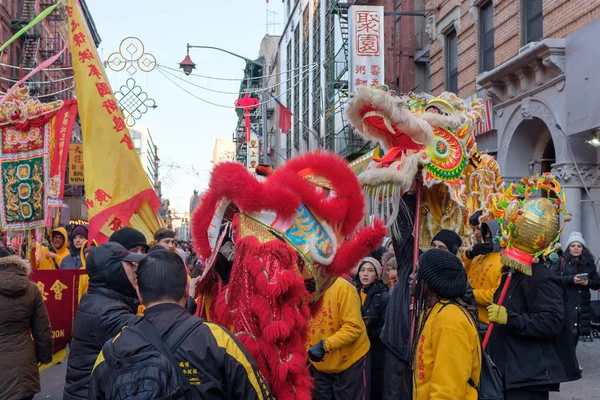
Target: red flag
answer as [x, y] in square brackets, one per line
[285, 118]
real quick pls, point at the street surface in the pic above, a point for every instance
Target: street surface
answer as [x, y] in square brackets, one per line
[587, 388]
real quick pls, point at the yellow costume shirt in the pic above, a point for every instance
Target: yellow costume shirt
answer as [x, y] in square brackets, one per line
[484, 273]
[448, 355]
[339, 323]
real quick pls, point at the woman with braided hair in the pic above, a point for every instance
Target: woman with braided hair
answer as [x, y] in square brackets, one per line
[446, 351]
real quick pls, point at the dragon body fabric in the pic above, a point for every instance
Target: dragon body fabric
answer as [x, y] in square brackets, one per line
[428, 137]
[273, 245]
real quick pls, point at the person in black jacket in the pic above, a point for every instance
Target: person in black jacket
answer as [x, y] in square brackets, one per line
[110, 304]
[395, 334]
[531, 344]
[577, 271]
[214, 362]
[374, 300]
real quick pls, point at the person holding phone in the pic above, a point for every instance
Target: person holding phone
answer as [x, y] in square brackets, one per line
[577, 271]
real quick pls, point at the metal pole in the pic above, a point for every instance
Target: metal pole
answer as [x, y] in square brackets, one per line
[264, 118]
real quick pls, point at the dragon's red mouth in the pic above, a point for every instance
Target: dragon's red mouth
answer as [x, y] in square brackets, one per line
[397, 142]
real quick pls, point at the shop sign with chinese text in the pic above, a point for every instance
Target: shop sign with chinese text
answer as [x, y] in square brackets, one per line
[253, 150]
[366, 46]
[76, 164]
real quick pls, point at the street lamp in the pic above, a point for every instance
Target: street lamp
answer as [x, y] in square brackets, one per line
[187, 65]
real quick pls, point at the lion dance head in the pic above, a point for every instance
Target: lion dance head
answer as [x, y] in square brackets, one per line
[293, 233]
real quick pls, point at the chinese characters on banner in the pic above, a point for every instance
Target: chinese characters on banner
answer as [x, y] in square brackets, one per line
[75, 164]
[59, 290]
[115, 181]
[253, 152]
[366, 46]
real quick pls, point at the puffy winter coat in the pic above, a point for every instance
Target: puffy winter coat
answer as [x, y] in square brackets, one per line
[534, 349]
[373, 312]
[108, 306]
[579, 310]
[22, 315]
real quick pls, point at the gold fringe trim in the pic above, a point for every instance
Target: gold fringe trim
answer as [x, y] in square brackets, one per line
[509, 262]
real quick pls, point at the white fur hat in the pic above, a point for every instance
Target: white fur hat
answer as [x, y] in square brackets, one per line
[575, 237]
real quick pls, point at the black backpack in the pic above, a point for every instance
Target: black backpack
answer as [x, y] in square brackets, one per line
[155, 373]
[490, 380]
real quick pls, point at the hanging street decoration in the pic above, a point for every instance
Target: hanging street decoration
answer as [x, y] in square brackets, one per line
[133, 101]
[247, 103]
[131, 57]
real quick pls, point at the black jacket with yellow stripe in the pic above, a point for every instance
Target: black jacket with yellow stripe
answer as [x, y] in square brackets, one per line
[216, 363]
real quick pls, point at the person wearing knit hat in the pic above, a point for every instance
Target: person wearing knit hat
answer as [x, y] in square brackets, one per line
[77, 238]
[447, 240]
[575, 237]
[446, 350]
[132, 239]
[374, 300]
[577, 270]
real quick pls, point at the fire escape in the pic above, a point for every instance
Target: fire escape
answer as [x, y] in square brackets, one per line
[52, 42]
[24, 13]
[336, 70]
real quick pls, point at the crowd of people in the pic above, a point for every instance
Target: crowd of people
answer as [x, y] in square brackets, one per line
[387, 330]
[425, 324]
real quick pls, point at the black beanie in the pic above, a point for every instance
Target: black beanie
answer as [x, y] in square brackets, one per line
[444, 273]
[129, 238]
[474, 219]
[450, 239]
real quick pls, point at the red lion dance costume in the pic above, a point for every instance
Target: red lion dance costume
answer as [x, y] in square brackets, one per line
[291, 234]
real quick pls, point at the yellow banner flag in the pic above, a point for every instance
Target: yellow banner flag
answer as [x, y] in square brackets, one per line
[116, 185]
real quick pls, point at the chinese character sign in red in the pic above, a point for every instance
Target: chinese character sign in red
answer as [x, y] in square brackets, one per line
[366, 46]
[253, 149]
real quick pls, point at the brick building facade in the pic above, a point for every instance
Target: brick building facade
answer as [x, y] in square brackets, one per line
[39, 43]
[560, 18]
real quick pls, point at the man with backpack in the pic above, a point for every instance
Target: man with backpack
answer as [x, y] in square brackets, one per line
[170, 354]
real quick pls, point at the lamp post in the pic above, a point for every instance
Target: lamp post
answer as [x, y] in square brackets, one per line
[187, 65]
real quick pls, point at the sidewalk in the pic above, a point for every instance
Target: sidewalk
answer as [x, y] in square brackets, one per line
[587, 388]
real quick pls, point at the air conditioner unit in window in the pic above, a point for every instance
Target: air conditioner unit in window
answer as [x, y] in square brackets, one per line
[527, 47]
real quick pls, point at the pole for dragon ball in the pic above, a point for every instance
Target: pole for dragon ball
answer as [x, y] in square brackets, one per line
[416, 236]
[500, 301]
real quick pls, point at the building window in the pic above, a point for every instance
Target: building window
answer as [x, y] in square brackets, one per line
[288, 97]
[305, 75]
[533, 21]
[486, 37]
[316, 71]
[296, 109]
[451, 49]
